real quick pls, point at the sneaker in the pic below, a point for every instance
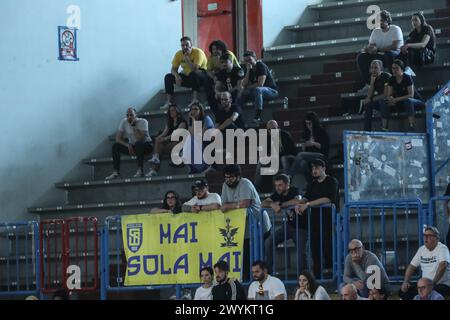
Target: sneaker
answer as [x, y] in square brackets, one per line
[409, 72]
[113, 176]
[139, 174]
[151, 173]
[154, 160]
[165, 106]
[384, 129]
[364, 90]
[412, 128]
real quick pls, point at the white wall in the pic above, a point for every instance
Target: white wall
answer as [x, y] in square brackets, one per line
[55, 113]
[280, 13]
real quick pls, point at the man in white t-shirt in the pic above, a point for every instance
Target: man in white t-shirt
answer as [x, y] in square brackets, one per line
[384, 44]
[203, 200]
[433, 258]
[265, 287]
[138, 143]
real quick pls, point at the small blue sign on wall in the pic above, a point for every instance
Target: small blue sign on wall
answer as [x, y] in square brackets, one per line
[67, 44]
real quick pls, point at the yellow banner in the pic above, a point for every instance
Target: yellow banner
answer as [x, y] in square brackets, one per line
[171, 249]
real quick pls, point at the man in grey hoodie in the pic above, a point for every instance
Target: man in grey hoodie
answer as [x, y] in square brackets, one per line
[363, 267]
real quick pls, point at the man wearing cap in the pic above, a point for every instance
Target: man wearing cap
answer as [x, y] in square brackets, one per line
[433, 258]
[203, 200]
[322, 190]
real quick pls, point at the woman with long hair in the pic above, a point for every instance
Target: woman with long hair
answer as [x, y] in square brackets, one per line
[171, 203]
[194, 144]
[205, 291]
[309, 289]
[420, 47]
[174, 121]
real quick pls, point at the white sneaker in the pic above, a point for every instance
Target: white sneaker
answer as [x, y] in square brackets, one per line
[154, 160]
[364, 90]
[409, 72]
[139, 174]
[113, 176]
[151, 173]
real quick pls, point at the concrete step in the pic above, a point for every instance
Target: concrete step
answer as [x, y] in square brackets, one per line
[342, 28]
[349, 9]
[329, 47]
[128, 189]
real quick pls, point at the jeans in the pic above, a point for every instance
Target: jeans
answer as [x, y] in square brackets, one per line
[408, 105]
[257, 95]
[141, 148]
[417, 57]
[365, 59]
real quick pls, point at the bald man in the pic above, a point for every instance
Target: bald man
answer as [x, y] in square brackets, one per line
[349, 292]
[356, 267]
[287, 152]
[425, 290]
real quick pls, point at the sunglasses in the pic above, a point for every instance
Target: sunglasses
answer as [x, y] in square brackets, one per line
[354, 249]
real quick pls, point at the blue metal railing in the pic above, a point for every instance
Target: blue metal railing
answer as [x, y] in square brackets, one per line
[22, 274]
[373, 214]
[438, 219]
[304, 238]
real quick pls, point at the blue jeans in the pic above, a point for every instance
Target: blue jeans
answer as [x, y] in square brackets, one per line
[409, 105]
[365, 59]
[257, 95]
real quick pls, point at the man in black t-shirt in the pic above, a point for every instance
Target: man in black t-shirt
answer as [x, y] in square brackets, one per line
[258, 85]
[228, 115]
[226, 288]
[229, 78]
[400, 94]
[285, 196]
[322, 190]
[377, 87]
[447, 210]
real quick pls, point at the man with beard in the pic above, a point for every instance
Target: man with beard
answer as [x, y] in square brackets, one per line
[285, 196]
[265, 287]
[322, 190]
[238, 193]
[226, 288]
[203, 200]
[384, 44]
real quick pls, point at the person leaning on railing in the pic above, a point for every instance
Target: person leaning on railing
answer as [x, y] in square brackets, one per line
[447, 210]
[322, 190]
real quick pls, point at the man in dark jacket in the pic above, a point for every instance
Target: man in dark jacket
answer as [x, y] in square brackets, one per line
[226, 288]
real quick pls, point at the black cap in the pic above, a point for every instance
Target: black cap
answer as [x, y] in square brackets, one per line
[200, 183]
[318, 163]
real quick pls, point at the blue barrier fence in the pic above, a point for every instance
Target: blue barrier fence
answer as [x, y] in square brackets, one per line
[19, 260]
[437, 216]
[311, 237]
[367, 221]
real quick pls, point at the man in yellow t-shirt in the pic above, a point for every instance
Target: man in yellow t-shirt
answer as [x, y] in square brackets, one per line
[193, 75]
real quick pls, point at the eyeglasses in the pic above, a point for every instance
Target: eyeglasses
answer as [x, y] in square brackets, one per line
[354, 250]
[261, 290]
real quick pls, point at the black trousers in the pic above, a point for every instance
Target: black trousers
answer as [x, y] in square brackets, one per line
[141, 148]
[195, 80]
[417, 57]
[321, 251]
